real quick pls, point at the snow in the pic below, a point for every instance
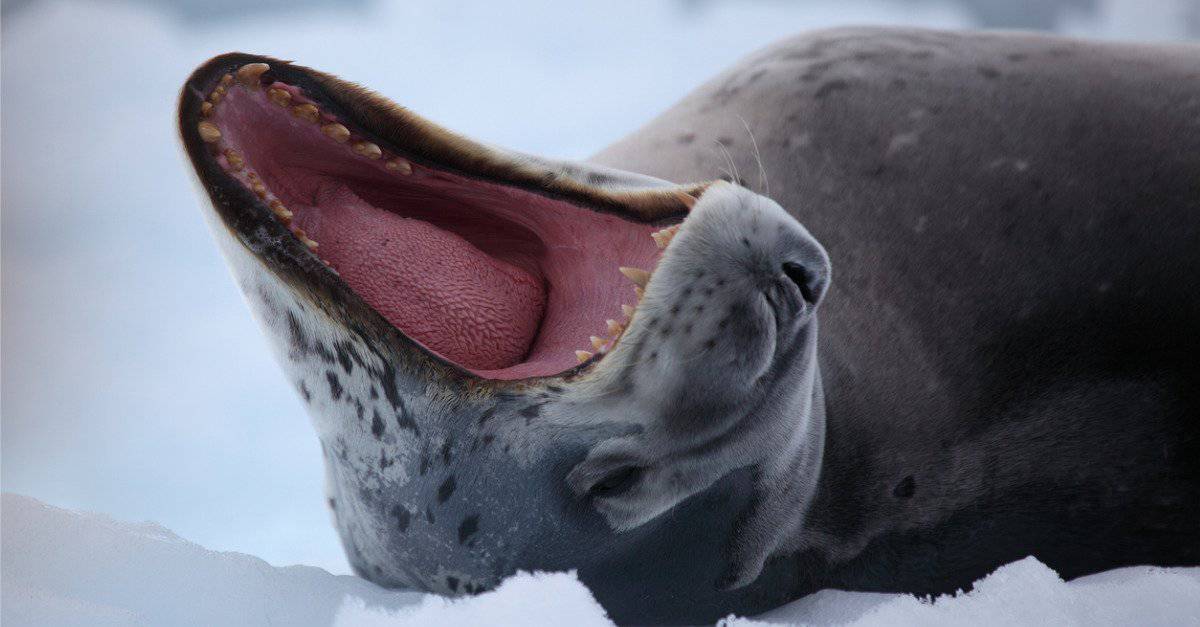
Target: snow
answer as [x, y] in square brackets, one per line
[61, 567]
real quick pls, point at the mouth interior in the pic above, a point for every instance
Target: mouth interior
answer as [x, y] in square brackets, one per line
[502, 281]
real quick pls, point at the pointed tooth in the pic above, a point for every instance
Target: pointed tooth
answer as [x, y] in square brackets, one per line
[236, 162]
[614, 327]
[657, 236]
[598, 342]
[639, 292]
[582, 356]
[628, 310]
[209, 132]
[639, 276]
[259, 189]
[280, 211]
[281, 97]
[215, 96]
[250, 74]
[227, 80]
[206, 108]
[306, 112]
[304, 239]
[399, 165]
[367, 149]
[336, 132]
[688, 200]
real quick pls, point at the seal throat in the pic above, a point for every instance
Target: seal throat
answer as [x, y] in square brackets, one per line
[497, 279]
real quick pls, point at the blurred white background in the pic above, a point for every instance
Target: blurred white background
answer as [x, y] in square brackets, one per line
[134, 381]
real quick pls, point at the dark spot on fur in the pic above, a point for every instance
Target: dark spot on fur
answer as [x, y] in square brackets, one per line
[653, 355]
[296, 336]
[830, 87]
[374, 393]
[304, 392]
[906, 488]
[686, 138]
[446, 446]
[687, 328]
[359, 410]
[487, 439]
[487, 415]
[377, 425]
[989, 72]
[403, 518]
[531, 412]
[467, 528]
[1016, 57]
[446, 489]
[452, 583]
[710, 344]
[384, 462]
[429, 515]
[333, 504]
[335, 384]
[343, 357]
[423, 466]
[324, 353]
[387, 379]
[404, 420]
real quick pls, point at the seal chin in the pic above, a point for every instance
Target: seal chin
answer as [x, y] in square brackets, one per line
[709, 366]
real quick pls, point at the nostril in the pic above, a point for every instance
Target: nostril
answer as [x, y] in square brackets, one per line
[803, 279]
[617, 482]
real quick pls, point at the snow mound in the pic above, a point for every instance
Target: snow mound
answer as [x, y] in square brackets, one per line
[1025, 592]
[66, 568]
[521, 600]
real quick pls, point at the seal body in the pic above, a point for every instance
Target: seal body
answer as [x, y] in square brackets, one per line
[1011, 346]
[999, 236]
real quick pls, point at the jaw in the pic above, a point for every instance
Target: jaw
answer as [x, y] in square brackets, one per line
[497, 265]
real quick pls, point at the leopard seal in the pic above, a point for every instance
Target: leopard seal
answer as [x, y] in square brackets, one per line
[996, 232]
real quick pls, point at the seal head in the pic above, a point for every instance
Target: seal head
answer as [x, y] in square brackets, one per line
[518, 363]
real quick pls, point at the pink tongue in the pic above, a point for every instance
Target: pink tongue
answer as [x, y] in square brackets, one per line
[433, 285]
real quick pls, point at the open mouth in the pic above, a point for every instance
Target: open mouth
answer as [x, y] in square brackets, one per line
[502, 278]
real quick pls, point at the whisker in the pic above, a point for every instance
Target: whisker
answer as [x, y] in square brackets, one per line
[762, 171]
